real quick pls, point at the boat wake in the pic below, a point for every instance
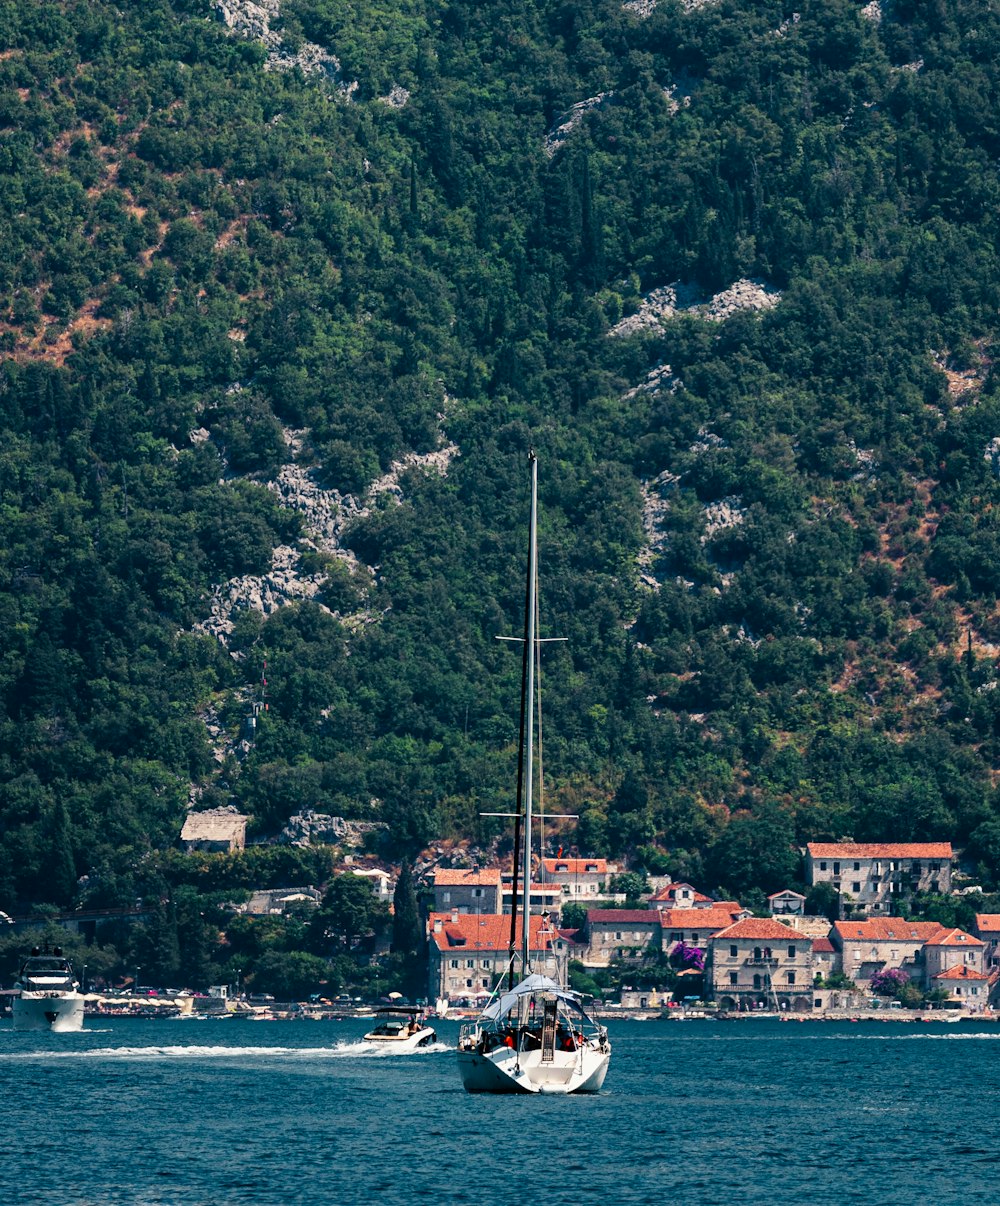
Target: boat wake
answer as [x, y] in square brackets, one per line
[339, 1051]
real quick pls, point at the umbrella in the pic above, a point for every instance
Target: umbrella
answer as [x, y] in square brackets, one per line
[395, 996]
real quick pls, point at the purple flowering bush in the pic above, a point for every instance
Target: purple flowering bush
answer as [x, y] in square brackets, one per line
[889, 981]
[684, 957]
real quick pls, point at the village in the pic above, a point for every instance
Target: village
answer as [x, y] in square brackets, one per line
[789, 962]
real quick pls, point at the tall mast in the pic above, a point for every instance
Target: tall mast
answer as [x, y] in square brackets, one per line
[529, 768]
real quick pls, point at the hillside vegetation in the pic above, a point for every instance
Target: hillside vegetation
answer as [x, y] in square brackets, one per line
[770, 534]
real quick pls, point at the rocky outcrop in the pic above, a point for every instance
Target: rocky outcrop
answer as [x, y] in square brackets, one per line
[326, 513]
[252, 19]
[661, 305]
[567, 123]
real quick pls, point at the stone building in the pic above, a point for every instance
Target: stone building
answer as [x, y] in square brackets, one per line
[987, 929]
[579, 879]
[694, 927]
[871, 875]
[787, 903]
[758, 963]
[882, 943]
[469, 954]
[621, 934]
[215, 829]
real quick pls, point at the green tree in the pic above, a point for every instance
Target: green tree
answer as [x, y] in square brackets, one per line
[348, 913]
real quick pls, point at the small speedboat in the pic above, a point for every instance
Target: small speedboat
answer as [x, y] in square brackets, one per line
[399, 1028]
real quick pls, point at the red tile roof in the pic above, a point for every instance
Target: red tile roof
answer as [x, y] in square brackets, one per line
[823, 946]
[961, 972]
[953, 938]
[575, 866]
[453, 877]
[699, 919]
[763, 928]
[489, 932]
[880, 849]
[887, 929]
[988, 923]
[623, 916]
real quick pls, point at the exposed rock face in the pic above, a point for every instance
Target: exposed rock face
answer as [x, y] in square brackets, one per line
[666, 302]
[326, 513]
[252, 19]
[655, 505]
[568, 122]
[396, 98]
[307, 827]
[660, 379]
[724, 513]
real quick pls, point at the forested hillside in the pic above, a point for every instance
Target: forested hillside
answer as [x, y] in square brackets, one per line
[351, 234]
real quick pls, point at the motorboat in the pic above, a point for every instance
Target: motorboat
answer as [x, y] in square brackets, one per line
[48, 997]
[535, 1037]
[400, 1028]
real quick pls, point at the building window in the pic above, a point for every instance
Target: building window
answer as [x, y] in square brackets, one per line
[446, 897]
[486, 984]
[857, 866]
[733, 952]
[836, 868]
[791, 977]
[791, 952]
[470, 963]
[454, 963]
[822, 866]
[733, 977]
[485, 963]
[855, 887]
[468, 983]
[933, 867]
[477, 891]
[675, 937]
[756, 981]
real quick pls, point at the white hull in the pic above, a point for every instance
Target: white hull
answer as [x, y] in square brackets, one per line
[503, 1070]
[61, 1012]
[403, 1042]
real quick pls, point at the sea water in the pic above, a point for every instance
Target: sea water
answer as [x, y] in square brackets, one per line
[199, 1112]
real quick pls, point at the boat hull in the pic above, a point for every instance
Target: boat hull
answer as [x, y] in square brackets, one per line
[59, 1013]
[506, 1071]
[406, 1042]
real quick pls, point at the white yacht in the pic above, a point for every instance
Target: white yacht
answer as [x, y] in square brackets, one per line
[536, 1037]
[49, 997]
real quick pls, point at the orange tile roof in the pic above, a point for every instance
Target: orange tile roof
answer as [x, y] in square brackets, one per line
[576, 866]
[953, 938]
[453, 877]
[699, 919]
[763, 928]
[823, 946]
[489, 932]
[880, 849]
[988, 923]
[961, 972]
[888, 929]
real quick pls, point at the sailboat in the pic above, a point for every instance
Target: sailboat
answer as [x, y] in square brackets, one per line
[535, 1037]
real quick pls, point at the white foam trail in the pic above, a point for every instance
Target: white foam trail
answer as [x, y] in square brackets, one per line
[339, 1051]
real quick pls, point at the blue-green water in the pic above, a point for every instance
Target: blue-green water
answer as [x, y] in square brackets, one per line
[166, 1113]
